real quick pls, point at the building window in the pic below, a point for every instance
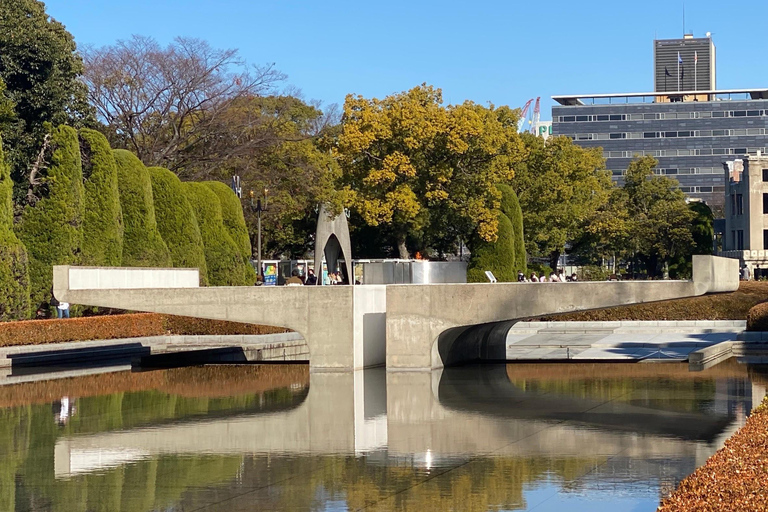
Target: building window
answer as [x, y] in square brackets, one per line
[733, 239]
[765, 239]
[765, 203]
[739, 204]
[765, 174]
[740, 240]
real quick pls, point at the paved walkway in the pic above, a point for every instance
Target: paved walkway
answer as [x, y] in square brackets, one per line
[617, 341]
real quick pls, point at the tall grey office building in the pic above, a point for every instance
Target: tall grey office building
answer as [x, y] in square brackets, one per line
[691, 60]
[690, 131]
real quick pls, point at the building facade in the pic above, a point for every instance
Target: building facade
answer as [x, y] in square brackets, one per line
[746, 212]
[690, 133]
[686, 64]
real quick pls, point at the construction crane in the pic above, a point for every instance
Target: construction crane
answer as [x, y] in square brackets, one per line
[536, 116]
[523, 114]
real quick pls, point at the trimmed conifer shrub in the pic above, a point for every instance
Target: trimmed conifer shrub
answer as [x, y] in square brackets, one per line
[498, 256]
[510, 206]
[103, 217]
[177, 223]
[51, 221]
[234, 222]
[142, 244]
[14, 264]
[222, 256]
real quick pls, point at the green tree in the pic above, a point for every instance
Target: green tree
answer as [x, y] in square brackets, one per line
[40, 66]
[510, 206]
[52, 213]
[14, 263]
[177, 223]
[291, 159]
[497, 256]
[103, 218]
[560, 186]
[414, 165]
[606, 232]
[234, 223]
[222, 256]
[660, 225]
[142, 244]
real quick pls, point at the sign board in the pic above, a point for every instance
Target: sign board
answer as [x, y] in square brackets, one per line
[270, 274]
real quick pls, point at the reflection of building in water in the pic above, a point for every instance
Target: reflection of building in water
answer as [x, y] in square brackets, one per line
[62, 410]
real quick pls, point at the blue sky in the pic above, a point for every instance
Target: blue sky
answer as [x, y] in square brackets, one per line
[503, 52]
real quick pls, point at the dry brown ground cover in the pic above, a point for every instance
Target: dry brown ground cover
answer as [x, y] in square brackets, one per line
[721, 306]
[194, 382]
[733, 479]
[36, 332]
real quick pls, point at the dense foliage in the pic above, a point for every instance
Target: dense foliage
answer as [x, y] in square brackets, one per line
[177, 223]
[142, 244]
[52, 215]
[14, 263]
[222, 256]
[40, 67]
[497, 256]
[510, 206]
[560, 187]
[419, 167]
[103, 217]
[234, 223]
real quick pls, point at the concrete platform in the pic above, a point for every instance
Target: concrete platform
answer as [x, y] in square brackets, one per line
[21, 363]
[622, 341]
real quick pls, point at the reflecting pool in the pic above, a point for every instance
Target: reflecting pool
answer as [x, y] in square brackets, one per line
[493, 437]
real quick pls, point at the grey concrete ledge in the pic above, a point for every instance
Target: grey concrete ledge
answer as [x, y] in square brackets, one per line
[167, 343]
[630, 326]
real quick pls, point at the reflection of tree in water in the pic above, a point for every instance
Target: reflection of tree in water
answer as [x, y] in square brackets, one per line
[28, 435]
[305, 483]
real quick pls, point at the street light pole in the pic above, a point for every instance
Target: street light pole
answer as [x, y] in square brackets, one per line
[258, 208]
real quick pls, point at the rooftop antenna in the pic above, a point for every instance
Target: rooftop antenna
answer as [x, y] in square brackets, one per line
[683, 19]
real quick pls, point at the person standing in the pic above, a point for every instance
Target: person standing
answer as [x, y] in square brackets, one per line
[311, 278]
[62, 310]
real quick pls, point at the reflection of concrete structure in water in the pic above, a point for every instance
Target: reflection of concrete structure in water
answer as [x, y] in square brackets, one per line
[425, 417]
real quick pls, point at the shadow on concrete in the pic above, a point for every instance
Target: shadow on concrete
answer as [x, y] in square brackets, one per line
[474, 343]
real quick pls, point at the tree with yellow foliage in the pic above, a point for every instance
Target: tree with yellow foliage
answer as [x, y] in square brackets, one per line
[416, 166]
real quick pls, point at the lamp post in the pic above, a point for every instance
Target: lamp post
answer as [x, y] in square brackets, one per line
[258, 208]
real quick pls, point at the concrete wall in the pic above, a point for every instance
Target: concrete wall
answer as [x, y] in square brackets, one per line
[424, 322]
[370, 306]
[343, 325]
[348, 327]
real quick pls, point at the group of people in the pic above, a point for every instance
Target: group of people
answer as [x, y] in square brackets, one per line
[558, 277]
[296, 279]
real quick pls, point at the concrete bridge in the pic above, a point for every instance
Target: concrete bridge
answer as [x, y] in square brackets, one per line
[455, 413]
[408, 327]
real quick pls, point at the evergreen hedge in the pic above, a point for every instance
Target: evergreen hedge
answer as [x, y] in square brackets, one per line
[510, 206]
[222, 256]
[498, 256]
[51, 226]
[177, 223]
[103, 217]
[234, 222]
[14, 263]
[142, 244]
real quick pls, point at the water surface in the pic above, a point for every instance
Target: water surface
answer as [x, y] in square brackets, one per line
[494, 437]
